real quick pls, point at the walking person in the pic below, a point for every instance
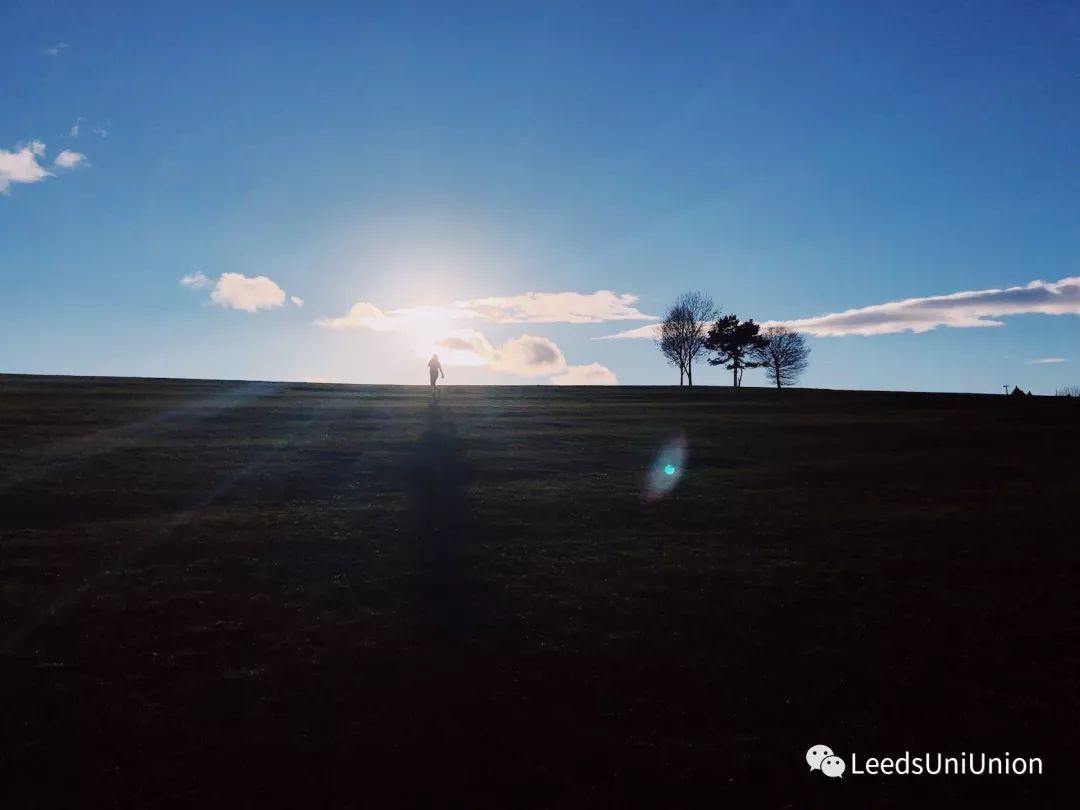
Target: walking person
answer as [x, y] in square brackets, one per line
[435, 367]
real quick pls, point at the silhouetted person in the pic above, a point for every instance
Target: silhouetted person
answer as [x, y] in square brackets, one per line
[435, 367]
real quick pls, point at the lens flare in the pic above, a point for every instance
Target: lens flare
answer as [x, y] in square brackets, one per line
[666, 470]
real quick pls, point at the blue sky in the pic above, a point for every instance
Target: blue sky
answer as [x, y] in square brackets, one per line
[423, 166]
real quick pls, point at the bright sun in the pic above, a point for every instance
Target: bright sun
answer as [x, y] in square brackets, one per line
[439, 330]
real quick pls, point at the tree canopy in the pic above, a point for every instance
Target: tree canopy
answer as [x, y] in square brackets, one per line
[734, 345]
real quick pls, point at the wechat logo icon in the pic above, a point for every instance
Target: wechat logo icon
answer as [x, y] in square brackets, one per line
[821, 758]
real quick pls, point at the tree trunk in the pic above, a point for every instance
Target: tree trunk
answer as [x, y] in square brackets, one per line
[682, 374]
[689, 374]
[735, 374]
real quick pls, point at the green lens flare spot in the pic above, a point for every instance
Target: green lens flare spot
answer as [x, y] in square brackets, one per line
[669, 469]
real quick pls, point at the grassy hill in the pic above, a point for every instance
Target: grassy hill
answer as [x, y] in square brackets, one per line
[263, 593]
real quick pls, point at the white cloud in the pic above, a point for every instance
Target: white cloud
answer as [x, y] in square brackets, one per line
[76, 128]
[362, 315]
[592, 374]
[237, 291]
[462, 347]
[68, 159]
[21, 165]
[55, 49]
[528, 356]
[961, 310]
[297, 300]
[652, 330]
[195, 281]
[1044, 361]
[564, 307]
[524, 356]
[441, 329]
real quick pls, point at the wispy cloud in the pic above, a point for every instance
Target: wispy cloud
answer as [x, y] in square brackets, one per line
[237, 291]
[297, 300]
[1045, 361]
[69, 159]
[650, 331]
[563, 307]
[21, 165]
[961, 310]
[592, 374]
[363, 315]
[195, 281]
[447, 330]
[56, 49]
[76, 128]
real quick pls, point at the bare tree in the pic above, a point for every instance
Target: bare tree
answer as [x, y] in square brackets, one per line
[682, 334]
[1068, 391]
[784, 355]
[669, 342]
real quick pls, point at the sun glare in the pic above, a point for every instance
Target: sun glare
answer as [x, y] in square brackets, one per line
[428, 325]
[439, 330]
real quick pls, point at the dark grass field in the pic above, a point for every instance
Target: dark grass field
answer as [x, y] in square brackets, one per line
[255, 594]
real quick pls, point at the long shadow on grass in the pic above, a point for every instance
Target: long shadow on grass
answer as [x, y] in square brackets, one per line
[442, 527]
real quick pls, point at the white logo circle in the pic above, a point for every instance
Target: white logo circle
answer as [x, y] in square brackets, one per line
[815, 754]
[833, 766]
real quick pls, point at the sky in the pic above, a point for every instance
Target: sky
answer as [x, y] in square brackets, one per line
[329, 191]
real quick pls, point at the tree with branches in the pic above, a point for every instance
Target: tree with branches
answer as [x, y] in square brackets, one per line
[682, 334]
[784, 355]
[735, 345]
